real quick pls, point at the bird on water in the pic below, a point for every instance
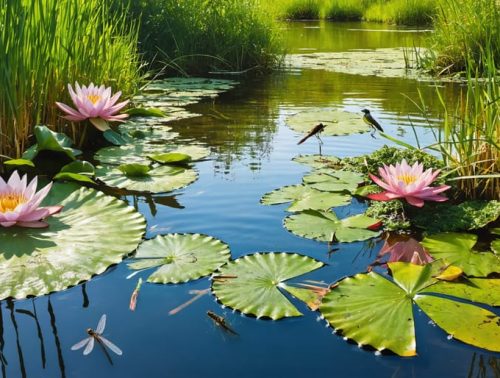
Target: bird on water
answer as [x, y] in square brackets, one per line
[371, 121]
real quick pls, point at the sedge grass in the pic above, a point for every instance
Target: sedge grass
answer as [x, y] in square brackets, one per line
[46, 44]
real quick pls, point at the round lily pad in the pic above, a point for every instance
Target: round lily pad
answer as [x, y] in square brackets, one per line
[139, 152]
[150, 133]
[251, 284]
[92, 232]
[337, 122]
[159, 179]
[325, 226]
[317, 161]
[333, 181]
[180, 257]
[304, 197]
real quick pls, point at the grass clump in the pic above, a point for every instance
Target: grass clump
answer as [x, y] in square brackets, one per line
[464, 30]
[345, 10]
[303, 10]
[402, 12]
[199, 36]
[46, 44]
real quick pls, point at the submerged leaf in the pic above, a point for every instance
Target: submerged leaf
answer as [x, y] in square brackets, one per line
[253, 282]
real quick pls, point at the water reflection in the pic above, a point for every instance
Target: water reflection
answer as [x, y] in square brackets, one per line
[484, 366]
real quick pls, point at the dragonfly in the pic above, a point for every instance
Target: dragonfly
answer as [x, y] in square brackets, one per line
[96, 336]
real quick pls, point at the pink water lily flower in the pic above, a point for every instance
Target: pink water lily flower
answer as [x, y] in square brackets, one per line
[95, 104]
[19, 203]
[408, 182]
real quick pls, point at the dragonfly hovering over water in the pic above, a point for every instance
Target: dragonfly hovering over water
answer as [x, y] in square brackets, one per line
[96, 336]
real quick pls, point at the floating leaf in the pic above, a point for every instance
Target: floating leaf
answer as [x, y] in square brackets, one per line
[457, 249]
[482, 290]
[92, 232]
[158, 180]
[325, 226]
[145, 112]
[465, 322]
[333, 181]
[68, 176]
[147, 133]
[171, 158]
[138, 153]
[180, 257]
[134, 170]
[48, 140]
[304, 198]
[251, 283]
[115, 138]
[337, 122]
[80, 166]
[318, 161]
[19, 163]
[372, 310]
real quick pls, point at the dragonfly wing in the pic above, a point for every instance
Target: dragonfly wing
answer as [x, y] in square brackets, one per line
[111, 346]
[101, 324]
[89, 347]
[80, 344]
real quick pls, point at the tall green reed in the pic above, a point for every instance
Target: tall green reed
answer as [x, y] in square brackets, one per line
[46, 44]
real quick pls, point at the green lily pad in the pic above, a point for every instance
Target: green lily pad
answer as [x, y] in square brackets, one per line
[481, 290]
[80, 166]
[147, 133]
[145, 112]
[372, 310]
[139, 152]
[68, 176]
[457, 249]
[304, 198]
[318, 161]
[157, 180]
[92, 232]
[334, 181]
[134, 170]
[325, 226]
[251, 283]
[465, 322]
[19, 163]
[180, 257]
[337, 122]
[48, 140]
[171, 158]
[115, 138]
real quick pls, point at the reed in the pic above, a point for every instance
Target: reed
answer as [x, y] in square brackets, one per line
[469, 141]
[463, 29]
[402, 12]
[45, 44]
[199, 36]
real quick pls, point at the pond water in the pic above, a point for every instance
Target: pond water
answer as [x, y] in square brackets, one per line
[251, 155]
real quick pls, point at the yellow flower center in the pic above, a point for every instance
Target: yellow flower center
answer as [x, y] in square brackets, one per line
[93, 98]
[9, 201]
[407, 179]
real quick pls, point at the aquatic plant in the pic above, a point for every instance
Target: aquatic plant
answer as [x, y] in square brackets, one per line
[45, 44]
[408, 182]
[95, 104]
[19, 203]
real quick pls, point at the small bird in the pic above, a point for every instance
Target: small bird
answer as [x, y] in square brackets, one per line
[371, 121]
[316, 130]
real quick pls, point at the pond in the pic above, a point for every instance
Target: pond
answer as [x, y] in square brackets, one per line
[251, 152]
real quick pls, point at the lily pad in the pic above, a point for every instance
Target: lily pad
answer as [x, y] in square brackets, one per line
[156, 180]
[180, 257]
[317, 161]
[19, 163]
[139, 152]
[251, 283]
[481, 290]
[304, 198]
[134, 170]
[372, 310]
[147, 133]
[92, 232]
[337, 122]
[48, 140]
[171, 158]
[334, 181]
[325, 226]
[457, 249]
